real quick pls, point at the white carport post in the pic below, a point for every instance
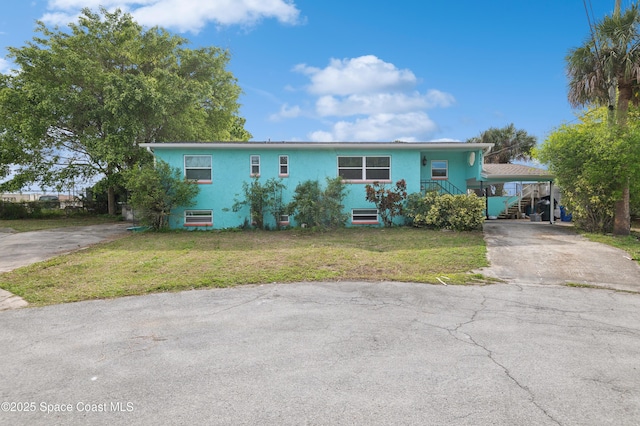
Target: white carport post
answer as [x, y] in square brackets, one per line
[551, 206]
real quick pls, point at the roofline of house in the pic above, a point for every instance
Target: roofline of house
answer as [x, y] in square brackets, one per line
[457, 146]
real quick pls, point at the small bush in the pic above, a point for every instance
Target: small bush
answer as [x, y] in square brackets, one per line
[262, 199]
[455, 212]
[414, 206]
[317, 208]
[13, 210]
[156, 190]
[389, 201]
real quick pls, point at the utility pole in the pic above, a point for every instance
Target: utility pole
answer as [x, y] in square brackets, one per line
[613, 82]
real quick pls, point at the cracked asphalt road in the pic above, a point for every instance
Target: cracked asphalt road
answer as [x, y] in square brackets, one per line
[520, 353]
[326, 354]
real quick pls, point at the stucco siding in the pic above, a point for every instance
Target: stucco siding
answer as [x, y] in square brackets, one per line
[231, 167]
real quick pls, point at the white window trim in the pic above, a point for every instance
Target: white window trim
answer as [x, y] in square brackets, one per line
[251, 157]
[189, 213]
[363, 169]
[284, 219]
[361, 212]
[210, 168]
[446, 170]
[280, 174]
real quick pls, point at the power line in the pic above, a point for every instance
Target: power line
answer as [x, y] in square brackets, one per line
[591, 26]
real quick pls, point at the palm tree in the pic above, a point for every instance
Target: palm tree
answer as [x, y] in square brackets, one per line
[509, 144]
[606, 71]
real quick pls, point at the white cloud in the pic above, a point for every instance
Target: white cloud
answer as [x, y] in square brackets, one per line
[378, 127]
[362, 75]
[381, 102]
[59, 18]
[375, 100]
[5, 66]
[446, 140]
[182, 15]
[286, 112]
[436, 98]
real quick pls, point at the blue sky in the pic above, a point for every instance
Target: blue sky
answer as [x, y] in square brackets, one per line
[369, 70]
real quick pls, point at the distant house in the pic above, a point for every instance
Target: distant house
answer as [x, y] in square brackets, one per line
[220, 168]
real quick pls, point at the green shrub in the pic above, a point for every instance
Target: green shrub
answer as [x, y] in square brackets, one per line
[262, 199]
[414, 206]
[389, 201]
[155, 191]
[455, 212]
[13, 210]
[313, 207]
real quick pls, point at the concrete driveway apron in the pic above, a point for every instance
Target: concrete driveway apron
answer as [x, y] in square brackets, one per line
[524, 252]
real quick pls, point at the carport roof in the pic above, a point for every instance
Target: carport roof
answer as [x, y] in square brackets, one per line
[500, 173]
[515, 172]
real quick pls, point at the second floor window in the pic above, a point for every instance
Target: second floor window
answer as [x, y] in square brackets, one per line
[255, 165]
[197, 167]
[284, 165]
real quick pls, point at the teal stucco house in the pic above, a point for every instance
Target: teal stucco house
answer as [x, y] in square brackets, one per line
[220, 168]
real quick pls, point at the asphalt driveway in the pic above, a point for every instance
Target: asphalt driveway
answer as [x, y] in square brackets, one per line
[519, 353]
[24, 248]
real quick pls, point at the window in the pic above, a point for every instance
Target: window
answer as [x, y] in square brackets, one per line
[283, 219]
[197, 167]
[364, 216]
[364, 168]
[198, 218]
[255, 165]
[439, 169]
[284, 165]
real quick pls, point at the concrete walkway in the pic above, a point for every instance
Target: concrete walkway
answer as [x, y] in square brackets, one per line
[25, 248]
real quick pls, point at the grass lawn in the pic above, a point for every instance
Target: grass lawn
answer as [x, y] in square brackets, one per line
[144, 263]
[630, 244]
[54, 221]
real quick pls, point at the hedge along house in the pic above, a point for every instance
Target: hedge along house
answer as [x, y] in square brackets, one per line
[221, 168]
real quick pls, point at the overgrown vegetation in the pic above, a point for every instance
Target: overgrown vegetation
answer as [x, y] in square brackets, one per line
[151, 262]
[315, 207]
[603, 72]
[262, 200]
[389, 201]
[446, 211]
[155, 191]
[592, 161]
[30, 209]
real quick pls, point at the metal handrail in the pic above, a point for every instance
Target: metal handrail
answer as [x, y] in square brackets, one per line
[442, 186]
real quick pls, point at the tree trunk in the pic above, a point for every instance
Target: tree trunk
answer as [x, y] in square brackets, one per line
[622, 217]
[111, 200]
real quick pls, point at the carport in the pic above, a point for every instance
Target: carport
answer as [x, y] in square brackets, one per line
[532, 184]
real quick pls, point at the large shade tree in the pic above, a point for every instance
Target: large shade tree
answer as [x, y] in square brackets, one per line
[605, 70]
[510, 144]
[83, 98]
